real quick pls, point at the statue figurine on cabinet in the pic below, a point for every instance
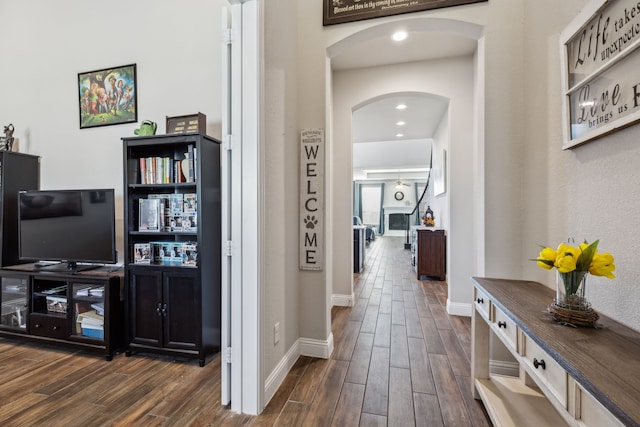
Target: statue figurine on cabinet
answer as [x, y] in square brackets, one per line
[8, 140]
[428, 219]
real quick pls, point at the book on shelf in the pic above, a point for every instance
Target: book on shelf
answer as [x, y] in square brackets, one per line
[91, 317]
[83, 292]
[155, 170]
[150, 214]
[96, 292]
[192, 176]
[98, 307]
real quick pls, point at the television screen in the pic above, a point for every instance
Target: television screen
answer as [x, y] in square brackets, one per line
[67, 225]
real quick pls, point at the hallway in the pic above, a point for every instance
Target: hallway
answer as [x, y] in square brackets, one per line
[399, 358]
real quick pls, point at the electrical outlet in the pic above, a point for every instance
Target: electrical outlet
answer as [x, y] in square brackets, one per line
[276, 333]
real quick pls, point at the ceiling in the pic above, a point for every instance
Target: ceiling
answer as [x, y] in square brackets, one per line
[377, 145]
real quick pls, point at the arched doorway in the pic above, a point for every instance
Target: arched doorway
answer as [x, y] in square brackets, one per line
[457, 78]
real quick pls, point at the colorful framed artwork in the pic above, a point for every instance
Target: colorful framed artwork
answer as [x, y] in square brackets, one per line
[108, 96]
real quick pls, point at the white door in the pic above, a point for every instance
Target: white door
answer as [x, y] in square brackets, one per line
[240, 165]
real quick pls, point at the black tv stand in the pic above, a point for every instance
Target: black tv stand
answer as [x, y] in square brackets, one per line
[53, 305]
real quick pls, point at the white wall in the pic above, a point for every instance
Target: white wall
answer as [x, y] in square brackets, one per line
[46, 44]
[283, 288]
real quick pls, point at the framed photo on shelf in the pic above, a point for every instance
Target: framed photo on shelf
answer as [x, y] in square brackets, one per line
[108, 96]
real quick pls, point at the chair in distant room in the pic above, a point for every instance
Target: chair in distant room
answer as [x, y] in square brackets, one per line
[370, 233]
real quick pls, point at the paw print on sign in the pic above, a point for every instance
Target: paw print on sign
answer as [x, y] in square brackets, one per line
[310, 221]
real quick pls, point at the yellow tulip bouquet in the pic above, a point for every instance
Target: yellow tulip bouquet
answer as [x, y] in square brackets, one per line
[573, 263]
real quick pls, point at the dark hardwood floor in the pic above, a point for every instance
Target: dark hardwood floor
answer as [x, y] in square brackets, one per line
[399, 360]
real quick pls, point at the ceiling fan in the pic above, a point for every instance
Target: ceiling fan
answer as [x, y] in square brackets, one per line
[400, 184]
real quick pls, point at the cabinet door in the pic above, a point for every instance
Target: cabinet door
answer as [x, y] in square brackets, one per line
[146, 308]
[13, 298]
[88, 310]
[182, 324]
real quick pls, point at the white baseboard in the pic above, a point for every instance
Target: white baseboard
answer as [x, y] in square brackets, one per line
[342, 300]
[499, 367]
[280, 371]
[316, 348]
[302, 347]
[459, 309]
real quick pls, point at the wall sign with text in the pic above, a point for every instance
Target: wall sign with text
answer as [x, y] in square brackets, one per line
[600, 59]
[340, 11]
[311, 199]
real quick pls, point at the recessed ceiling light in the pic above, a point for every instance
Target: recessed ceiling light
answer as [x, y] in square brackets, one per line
[399, 135]
[399, 36]
[401, 123]
[400, 107]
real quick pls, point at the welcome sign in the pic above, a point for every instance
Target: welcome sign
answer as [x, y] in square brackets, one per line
[311, 199]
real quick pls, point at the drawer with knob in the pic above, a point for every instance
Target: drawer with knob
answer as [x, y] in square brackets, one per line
[48, 326]
[482, 302]
[545, 371]
[506, 328]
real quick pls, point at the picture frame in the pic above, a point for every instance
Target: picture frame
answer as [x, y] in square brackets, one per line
[187, 124]
[599, 61]
[341, 11]
[108, 96]
[440, 174]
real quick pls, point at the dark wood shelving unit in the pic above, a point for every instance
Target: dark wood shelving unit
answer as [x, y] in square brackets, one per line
[174, 308]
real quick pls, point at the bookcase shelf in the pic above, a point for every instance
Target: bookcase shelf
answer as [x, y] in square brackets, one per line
[174, 298]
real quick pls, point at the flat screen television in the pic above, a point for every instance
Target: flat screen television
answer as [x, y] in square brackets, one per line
[68, 226]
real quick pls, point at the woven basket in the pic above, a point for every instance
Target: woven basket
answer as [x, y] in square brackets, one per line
[573, 317]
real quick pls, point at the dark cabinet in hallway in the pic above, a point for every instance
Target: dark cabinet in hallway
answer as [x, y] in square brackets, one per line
[431, 253]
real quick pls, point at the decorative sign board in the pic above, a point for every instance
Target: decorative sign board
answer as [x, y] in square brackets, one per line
[187, 124]
[311, 199]
[340, 11]
[600, 59]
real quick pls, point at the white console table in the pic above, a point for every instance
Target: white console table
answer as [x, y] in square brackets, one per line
[567, 376]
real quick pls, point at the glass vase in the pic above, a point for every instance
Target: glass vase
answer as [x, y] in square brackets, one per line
[571, 290]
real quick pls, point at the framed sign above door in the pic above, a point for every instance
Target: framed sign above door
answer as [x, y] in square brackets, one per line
[341, 11]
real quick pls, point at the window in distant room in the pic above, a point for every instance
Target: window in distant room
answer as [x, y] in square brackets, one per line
[371, 205]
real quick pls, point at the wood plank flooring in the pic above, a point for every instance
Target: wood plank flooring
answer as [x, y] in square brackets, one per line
[399, 360]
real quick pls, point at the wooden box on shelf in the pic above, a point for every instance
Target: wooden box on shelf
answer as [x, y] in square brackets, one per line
[192, 123]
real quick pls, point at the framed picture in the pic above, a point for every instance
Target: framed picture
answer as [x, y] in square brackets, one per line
[108, 96]
[341, 11]
[600, 57]
[440, 174]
